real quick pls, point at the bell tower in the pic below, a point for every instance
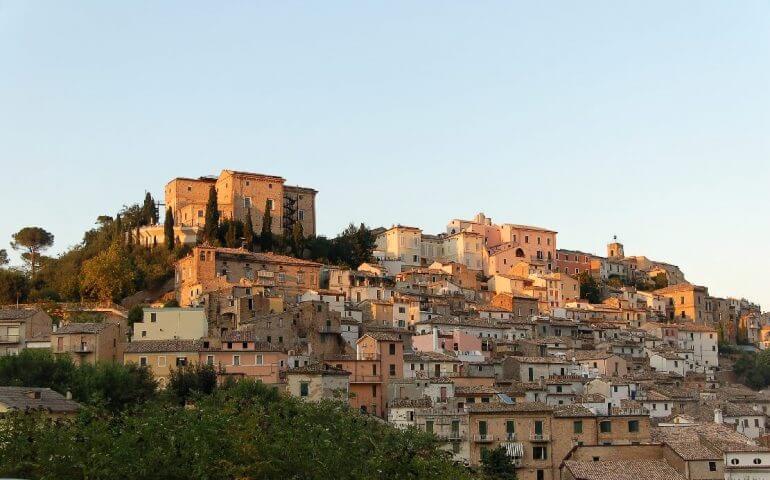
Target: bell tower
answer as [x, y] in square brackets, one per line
[615, 248]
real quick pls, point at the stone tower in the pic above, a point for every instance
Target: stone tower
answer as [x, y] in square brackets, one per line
[615, 248]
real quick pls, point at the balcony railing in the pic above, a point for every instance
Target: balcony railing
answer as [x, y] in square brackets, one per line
[83, 348]
[539, 437]
[483, 438]
[328, 329]
[510, 437]
[9, 339]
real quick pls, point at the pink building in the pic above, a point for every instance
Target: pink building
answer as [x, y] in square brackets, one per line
[454, 343]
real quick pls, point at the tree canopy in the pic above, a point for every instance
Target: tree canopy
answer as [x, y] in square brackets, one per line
[33, 241]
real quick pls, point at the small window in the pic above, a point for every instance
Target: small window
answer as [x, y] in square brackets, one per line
[143, 361]
[712, 466]
[633, 425]
[605, 426]
[304, 388]
[577, 426]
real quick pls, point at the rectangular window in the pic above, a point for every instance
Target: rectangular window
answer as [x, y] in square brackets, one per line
[540, 453]
[162, 361]
[210, 359]
[510, 429]
[712, 466]
[392, 348]
[577, 426]
[429, 426]
[181, 361]
[143, 361]
[605, 427]
[270, 205]
[392, 370]
[633, 425]
[259, 360]
[304, 388]
[482, 427]
[153, 317]
[236, 360]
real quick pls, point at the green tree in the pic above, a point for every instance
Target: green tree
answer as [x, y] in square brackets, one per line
[660, 280]
[135, 314]
[497, 465]
[266, 237]
[149, 214]
[231, 237]
[589, 289]
[33, 240]
[109, 275]
[297, 238]
[242, 430]
[112, 385]
[211, 224]
[248, 230]
[14, 286]
[168, 229]
[188, 380]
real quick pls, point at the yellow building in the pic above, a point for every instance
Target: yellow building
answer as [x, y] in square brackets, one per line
[688, 301]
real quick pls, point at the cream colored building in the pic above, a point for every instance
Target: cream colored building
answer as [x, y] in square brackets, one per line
[171, 324]
[403, 243]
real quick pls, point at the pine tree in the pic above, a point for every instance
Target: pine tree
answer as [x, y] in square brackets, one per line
[212, 217]
[168, 229]
[266, 238]
[248, 231]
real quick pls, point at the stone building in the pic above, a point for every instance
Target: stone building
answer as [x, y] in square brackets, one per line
[239, 193]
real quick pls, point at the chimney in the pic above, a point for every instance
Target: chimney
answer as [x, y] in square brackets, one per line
[718, 416]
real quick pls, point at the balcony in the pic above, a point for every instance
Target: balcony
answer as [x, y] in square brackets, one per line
[539, 437]
[366, 379]
[83, 348]
[328, 329]
[510, 437]
[9, 339]
[483, 438]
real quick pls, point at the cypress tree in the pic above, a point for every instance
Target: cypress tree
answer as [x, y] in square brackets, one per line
[212, 217]
[168, 229]
[231, 237]
[266, 239]
[297, 238]
[149, 212]
[248, 231]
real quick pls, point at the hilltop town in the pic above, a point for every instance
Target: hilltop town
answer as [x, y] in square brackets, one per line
[489, 336]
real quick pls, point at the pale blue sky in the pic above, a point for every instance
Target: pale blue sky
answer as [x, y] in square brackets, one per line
[649, 120]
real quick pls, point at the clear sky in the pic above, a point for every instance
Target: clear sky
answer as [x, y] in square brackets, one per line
[647, 120]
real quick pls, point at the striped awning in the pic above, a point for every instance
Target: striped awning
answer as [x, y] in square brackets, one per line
[514, 449]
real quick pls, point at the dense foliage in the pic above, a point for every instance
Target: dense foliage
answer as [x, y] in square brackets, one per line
[753, 369]
[113, 386]
[589, 288]
[244, 430]
[497, 465]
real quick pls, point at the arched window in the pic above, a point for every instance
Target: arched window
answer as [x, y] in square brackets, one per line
[520, 253]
